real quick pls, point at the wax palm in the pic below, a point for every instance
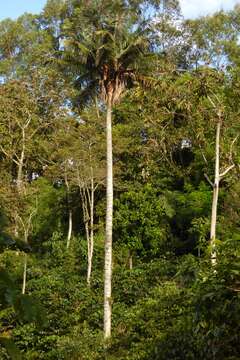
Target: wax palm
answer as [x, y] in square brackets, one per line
[106, 63]
[104, 54]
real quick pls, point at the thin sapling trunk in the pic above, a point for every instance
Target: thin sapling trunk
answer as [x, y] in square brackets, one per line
[109, 220]
[215, 197]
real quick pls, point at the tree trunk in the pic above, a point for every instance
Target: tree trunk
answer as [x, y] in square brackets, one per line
[91, 238]
[69, 212]
[130, 259]
[20, 163]
[109, 220]
[87, 207]
[215, 198]
[24, 275]
[87, 233]
[69, 228]
[15, 225]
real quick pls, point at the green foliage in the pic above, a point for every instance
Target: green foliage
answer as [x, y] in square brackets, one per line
[16, 308]
[141, 221]
[48, 200]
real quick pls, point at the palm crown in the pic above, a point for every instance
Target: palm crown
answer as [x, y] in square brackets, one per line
[104, 54]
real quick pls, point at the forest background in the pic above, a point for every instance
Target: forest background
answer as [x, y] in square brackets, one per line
[159, 279]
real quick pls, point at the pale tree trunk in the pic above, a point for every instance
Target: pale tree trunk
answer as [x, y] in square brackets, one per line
[24, 282]
[87, 234]
[217, 178]
[26, 229]
[20, 163]
[85, 212]
[91, 238]
[109, 220]
[20, 190]
[24, 274]
[69, 236]
[19, 173]
[85, 197]
[215, 197]
[69, 228]
[130, 259]
[15, 225]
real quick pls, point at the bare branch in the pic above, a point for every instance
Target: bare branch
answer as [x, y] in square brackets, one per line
[21, 221]
[207, 178]
[231, 148]
[218, 110]
[25, 126]
[233, 289]
[42, 126]
[5, 152]
[211, 101]
[29, 223]
[203, 155]
[226, 171]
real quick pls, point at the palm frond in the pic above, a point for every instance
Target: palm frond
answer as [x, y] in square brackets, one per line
[87, 93]
[132, 52]
[105, 33]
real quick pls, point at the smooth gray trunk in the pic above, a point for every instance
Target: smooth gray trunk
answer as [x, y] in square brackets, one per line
[26, 228]
[69, 236]
[15, 226]
[130, 259]
[24, 275]
[87, 206]
[91, 238]
[215, 198]
[109, 220]
[24, 282]
[20, 167]
[69, 228]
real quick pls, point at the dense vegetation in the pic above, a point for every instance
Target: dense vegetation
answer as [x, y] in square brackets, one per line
[170, 90]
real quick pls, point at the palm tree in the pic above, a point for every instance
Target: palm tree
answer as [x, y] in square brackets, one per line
[104, 46]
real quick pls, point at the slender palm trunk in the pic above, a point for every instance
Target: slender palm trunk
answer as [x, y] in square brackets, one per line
[215, 198]
[109, 220]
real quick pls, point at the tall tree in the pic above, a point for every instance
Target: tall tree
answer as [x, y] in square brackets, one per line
[218, 176]
[104, 46]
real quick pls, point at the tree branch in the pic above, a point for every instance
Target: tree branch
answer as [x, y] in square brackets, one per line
[233, 289]
[231, 148]
[211, 101]
[207, 178]
[204, 157]
[9, 155]
[226, 171]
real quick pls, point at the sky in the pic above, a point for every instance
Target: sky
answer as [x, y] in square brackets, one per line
[15, 8]
[190, 8]
[195, 8]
